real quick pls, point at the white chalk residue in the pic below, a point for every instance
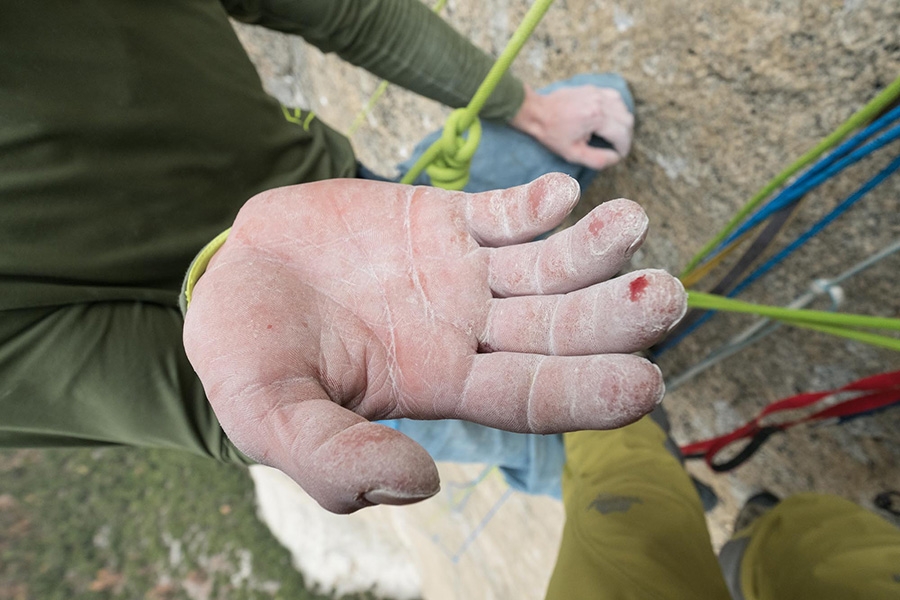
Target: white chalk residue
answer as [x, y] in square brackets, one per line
[622, 20]
[674, 166]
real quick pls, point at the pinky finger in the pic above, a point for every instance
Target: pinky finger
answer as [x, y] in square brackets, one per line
[551, 394]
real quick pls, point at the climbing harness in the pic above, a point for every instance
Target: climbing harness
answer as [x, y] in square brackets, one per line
[862, 397]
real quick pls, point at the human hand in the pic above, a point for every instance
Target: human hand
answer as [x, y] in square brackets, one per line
[343, 301]
[564, 121]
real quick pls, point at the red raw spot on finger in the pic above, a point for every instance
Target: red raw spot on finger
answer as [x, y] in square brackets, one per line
[595, 226]
[637, 288]
[268, 327]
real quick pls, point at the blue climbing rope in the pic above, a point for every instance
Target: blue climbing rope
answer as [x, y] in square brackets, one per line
[819, 226]
[824, 170]
[820, 173]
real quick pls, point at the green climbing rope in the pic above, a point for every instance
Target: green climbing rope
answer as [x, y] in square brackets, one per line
[863, 115]
[370, 104]
[451, 155]
[839, 324]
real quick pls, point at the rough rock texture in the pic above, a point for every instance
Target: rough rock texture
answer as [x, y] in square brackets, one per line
[728, 93]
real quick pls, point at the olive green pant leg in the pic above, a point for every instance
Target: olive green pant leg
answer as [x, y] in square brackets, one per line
[635, 526]
[111, 373]
[815, 546]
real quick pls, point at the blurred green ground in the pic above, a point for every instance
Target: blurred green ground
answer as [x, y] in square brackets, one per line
[136, 524]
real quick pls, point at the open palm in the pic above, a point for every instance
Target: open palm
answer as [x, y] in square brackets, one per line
[335, 303]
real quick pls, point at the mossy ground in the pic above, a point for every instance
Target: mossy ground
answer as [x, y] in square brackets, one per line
[137, 524]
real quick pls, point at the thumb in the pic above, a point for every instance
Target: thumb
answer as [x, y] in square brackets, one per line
[342, 460]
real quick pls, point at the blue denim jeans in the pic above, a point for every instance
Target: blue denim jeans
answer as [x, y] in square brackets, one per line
[506, 158]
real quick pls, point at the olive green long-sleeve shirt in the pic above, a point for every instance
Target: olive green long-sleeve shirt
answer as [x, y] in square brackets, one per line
[131, 132]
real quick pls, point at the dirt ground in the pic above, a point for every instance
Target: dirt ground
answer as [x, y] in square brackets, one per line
[727, 93]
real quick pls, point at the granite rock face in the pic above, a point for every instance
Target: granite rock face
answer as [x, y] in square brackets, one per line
[728, 93]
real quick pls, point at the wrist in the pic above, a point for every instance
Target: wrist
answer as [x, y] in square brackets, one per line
[530, 118]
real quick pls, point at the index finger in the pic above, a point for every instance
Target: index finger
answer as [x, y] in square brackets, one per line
[519, 214]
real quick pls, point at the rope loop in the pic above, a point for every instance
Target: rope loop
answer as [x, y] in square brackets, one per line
[452, 152]
[450, 168]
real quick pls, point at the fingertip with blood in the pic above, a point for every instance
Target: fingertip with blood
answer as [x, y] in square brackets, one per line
[663, 297]
[620, 222]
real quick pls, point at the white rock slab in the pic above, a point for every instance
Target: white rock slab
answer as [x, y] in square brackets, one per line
[475, 539]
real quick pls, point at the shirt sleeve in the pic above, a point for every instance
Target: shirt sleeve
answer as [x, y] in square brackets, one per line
[402, 41]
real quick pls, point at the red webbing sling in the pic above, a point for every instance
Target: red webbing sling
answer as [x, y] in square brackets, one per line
[862, 397]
